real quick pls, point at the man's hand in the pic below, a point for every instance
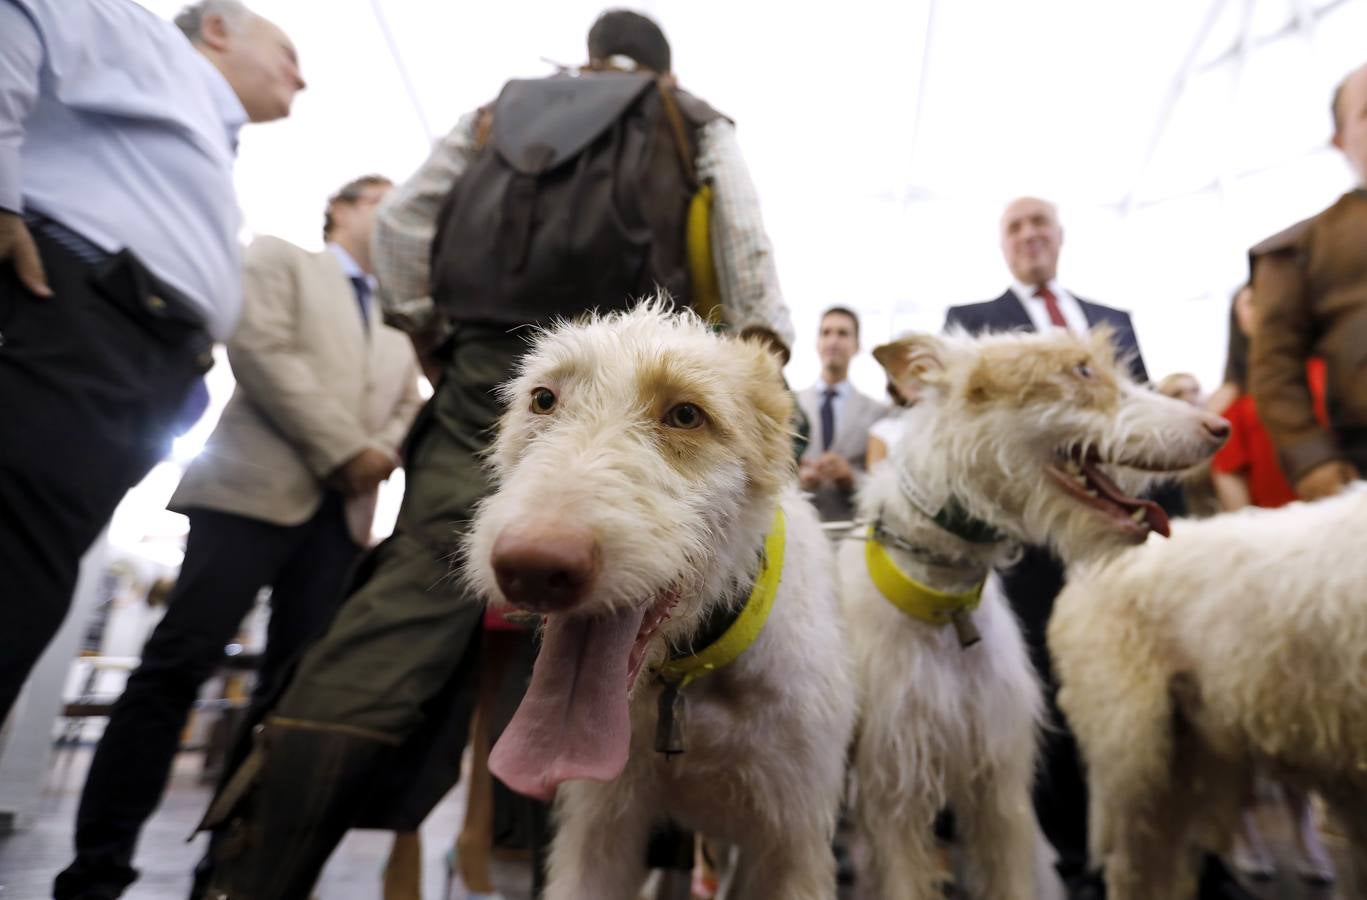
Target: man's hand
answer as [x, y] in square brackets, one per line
[836, 468]
[18, 250]
[828, 468]
[363, 472]
[1326, 479]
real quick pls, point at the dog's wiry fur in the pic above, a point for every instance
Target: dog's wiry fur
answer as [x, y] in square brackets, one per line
[685, 510]
[943, 725]
[1187, 664]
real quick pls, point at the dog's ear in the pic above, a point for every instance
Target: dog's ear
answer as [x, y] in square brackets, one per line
[1101, 342]
[769, 340]
[915, 359]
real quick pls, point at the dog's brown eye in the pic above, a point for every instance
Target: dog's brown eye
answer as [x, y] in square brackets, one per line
[685, 415]
[1083, 371]
[543, 401]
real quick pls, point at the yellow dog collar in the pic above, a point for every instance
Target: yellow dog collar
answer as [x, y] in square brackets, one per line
[910, 596]
[748, 624]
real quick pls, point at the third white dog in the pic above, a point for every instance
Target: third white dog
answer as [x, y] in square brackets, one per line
[1239, 645]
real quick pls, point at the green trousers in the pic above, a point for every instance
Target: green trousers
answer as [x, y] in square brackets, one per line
[401, 634]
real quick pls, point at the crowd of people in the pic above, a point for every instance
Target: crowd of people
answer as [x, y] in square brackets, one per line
[121, 269]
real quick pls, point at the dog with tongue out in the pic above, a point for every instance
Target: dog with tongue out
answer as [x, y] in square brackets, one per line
[693, 665]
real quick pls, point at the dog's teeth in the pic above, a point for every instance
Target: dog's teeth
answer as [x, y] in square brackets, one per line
[1074, 468]
[1138, 515]
[1091, 492]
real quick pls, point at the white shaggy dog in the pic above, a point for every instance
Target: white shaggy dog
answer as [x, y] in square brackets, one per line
[1014, 438]
[645, 492]
[1186, 665]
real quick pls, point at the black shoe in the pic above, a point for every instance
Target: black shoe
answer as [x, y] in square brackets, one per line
[84, 880]
[1086, 886]
[844, 865]
[1218, 883]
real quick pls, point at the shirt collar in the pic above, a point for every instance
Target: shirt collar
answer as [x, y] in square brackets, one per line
[349, 264]
[230, 109]
[1026, 292]
[842, 389]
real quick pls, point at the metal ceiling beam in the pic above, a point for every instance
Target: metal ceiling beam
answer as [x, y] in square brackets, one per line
[921, 85]
[1303, 21]
[1245, 46]
[1304, 17]
[1174, 94]
[397, 58]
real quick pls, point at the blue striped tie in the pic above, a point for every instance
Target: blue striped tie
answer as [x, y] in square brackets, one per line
[828, 419]
[362, 288]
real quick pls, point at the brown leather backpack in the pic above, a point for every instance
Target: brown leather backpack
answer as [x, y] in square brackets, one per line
[578, 200]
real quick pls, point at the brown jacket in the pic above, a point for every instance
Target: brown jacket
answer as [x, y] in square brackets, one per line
[1310, 290]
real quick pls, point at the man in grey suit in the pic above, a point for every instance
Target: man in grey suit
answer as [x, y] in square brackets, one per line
[840, 417]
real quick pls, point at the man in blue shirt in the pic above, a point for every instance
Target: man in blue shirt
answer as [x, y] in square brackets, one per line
[119, 263]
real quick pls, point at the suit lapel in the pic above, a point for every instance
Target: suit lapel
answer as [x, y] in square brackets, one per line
[340, 299]
[1010, 314]
[852, 425]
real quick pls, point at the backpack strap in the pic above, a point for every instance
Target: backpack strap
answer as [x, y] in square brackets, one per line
[484, 126]
[677, 128]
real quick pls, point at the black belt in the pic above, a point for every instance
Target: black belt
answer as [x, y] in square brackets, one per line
[160, 295]
[167, 312]
[76, 244]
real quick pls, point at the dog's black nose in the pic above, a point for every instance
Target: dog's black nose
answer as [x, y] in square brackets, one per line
[545, 566]
[1217, 428]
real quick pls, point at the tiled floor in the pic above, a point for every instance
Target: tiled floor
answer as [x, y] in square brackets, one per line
[29, 860]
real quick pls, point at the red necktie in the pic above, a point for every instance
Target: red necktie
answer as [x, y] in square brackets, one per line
[1051, 306]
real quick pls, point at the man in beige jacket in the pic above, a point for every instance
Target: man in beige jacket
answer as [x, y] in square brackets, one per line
[283, 495]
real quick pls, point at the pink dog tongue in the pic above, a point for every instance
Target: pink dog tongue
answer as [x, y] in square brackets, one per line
[573, 721]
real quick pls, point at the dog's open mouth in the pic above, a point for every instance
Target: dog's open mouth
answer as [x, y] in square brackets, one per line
[574, 720]
[1080, 475]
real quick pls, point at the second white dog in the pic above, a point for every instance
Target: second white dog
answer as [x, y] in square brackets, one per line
[1015, 439]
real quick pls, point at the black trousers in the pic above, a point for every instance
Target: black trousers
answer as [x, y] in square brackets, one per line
[1060, 784]
[91, 382]
[228, 559]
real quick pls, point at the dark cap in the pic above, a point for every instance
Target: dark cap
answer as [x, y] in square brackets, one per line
[621, 32]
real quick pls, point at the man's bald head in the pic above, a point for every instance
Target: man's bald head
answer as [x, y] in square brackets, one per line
[1350, 120]
[254, 55]
[1031, 238]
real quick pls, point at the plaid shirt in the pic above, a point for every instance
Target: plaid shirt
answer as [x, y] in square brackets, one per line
[407, 223]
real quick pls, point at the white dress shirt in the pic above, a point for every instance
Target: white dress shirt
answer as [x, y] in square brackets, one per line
[890, 429]
[1039, 314]
[112, 124]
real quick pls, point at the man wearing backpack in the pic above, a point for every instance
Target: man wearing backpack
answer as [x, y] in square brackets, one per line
[566, 194]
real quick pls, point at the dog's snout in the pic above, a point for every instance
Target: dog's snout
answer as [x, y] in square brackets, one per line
[545, 566]
[1217, 429]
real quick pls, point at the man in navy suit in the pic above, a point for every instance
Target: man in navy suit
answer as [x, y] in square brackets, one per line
[1035, 301]
[1031, 239]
